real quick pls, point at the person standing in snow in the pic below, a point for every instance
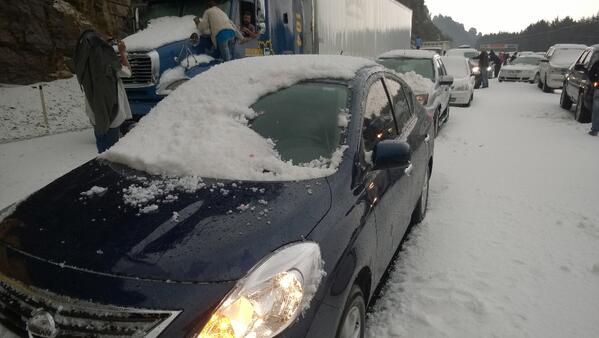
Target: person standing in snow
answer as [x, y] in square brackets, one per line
[594, 77]
[496, 61]
[223, 32]
[99, 70]
[483, 64]
[418, 42]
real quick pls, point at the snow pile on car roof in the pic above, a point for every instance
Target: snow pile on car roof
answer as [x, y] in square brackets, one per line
[201, 129]
[409, 53]
[161, 31]
[417, 82]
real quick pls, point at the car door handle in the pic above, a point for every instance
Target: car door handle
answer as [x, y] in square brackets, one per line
[409, 169]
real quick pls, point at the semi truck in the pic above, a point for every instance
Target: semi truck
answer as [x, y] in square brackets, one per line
[167, 49]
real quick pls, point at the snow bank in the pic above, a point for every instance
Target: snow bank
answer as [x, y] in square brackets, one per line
[418, 83]
[201, 128]
[21, 113]
[161, 31]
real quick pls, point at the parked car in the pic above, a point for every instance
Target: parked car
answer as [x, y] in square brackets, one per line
[263, 249]
[435, 95]
[462, 89]
[470, 53]
[523, 68]
[553, 70]
[578, 88]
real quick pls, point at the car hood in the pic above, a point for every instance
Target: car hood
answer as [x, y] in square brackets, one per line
[520, 67]
[142, 227]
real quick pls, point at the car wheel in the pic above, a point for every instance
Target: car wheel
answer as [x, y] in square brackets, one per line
[500, 79]
[540, 83]
[354, 315]
[420, 211]
[535, 79]
[583, 114]
[564, 99]
[546, 88]
[470, 100]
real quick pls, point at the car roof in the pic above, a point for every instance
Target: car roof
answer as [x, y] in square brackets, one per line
[569, 45]
[410, 53]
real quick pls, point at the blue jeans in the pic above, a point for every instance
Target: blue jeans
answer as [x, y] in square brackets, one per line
[227, 49]
[105, 141]
[484, 76]
[595, 120]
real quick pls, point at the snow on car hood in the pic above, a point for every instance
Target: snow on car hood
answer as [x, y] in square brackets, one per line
[161, 31]
[201, 129]
[520, 67]
[418, 83]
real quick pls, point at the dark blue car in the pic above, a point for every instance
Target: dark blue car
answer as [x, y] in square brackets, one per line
[303, 260]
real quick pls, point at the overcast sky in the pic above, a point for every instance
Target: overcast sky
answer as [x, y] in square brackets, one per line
[510, 15]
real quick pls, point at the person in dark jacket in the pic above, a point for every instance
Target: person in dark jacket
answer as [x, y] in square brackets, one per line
[496, 61]
[483, 64]
[99, 69]
[594, 77]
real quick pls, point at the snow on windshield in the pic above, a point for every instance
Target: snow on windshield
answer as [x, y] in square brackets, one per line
[456, 66]
[161, 31]
[565, 56]
[417, 82]
[201, 129]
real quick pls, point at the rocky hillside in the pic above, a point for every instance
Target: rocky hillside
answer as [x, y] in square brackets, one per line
[37, 37]
[456, 31]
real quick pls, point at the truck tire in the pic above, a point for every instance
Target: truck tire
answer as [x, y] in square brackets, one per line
[546, 88]
[564, 99]
[582, 114]
[353, 319]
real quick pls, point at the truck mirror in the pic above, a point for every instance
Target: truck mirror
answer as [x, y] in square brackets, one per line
[194, 39]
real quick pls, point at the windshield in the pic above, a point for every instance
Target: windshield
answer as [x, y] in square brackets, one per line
[304, 120]
[566, 56]
[467, 53]
[160, 8]
[423, 67]
[527, 61]
[456, 67]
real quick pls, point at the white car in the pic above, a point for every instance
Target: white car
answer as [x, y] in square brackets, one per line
[523, 68]
[470, 53]
[553, 71]
[462, 90]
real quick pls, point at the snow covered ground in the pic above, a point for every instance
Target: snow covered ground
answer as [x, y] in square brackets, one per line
[510, 245]
[21, 109]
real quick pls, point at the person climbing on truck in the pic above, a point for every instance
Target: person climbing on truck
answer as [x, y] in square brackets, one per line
[222, 31]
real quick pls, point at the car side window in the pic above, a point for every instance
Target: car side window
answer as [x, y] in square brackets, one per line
[378, 119]
[400, 102]
[582, 59]
[443, 70]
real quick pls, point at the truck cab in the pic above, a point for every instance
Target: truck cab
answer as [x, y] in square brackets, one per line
[167, 49]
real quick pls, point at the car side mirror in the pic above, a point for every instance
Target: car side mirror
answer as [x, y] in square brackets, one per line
[446, 80]
[389, 154]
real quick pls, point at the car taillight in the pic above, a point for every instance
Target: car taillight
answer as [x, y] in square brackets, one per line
[596, 84]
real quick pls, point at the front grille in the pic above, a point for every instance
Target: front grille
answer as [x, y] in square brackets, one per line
[141, 69]
[77, 318]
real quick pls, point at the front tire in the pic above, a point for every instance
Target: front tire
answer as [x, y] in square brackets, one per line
[583, 114]
[353, 318]
[420, 211]
[535, 79]
[546, 88]
[564, 99]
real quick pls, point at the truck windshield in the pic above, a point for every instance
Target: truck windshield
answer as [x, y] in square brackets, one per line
[160, 8]
[303, 120]
[423, 67]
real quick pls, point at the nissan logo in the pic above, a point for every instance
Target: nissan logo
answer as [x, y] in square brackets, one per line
[41, 325]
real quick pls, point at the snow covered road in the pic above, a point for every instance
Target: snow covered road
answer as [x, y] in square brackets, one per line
[510, 245]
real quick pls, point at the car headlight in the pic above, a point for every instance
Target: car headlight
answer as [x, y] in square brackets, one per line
[489, 68]
[476, 69]
[422, 98]
[271, 296]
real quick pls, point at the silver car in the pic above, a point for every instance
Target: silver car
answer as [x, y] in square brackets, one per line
[553, 70]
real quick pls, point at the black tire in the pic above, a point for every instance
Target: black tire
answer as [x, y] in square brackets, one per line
[539, 83]
[354, 311]
[582, 114]
[470, 101]
[564, 99]
[546, 88]
[500, 79]
[420, 210]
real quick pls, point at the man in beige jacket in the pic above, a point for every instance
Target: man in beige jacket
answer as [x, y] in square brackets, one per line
[222, 30]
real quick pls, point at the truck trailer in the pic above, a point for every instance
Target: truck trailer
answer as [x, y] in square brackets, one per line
[167, 49]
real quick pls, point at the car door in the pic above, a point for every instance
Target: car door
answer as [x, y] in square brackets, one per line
[575, 77]
[407, 190]
[444, 93]
[378, 125]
